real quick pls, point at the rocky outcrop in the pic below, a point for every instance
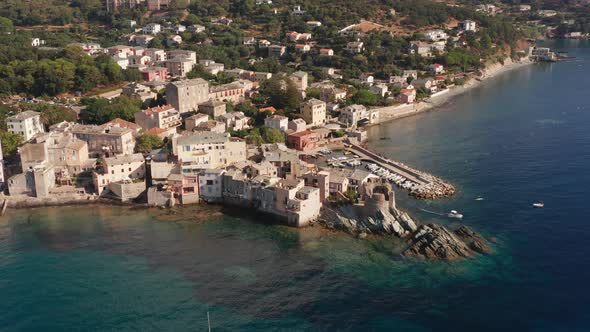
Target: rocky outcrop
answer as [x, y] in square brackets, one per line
[378, 215]
[434, 241]
[473, 240]
[353, 220]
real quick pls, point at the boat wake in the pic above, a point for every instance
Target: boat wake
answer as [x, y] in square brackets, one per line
[432, 212]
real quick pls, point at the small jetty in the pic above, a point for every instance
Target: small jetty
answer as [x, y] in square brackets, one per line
[420, 184]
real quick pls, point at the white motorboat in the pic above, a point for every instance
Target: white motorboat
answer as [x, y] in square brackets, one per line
[539, 205]
[454, 214]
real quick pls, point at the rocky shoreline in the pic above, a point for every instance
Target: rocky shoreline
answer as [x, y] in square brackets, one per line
[379, 216]
[432, 241]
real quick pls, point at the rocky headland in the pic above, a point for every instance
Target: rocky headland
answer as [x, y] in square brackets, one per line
[378, 215]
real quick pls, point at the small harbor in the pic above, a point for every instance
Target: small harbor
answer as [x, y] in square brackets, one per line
[418, 183]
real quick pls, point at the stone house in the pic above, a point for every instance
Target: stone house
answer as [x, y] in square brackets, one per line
[186, 95]
[313, 112]
[191, 122]
[234, 120]
[119, 168]
[108, 139]
[213, 108]
[211, 126]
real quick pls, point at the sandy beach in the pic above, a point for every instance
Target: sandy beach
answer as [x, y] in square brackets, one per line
[401, 111]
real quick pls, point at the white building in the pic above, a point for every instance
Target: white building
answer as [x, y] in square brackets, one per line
[352, 114]
[152, 29]
[234, 120]
[196, 28]
[436, 35]
[468, 25]
[211, 184]
[201, 150]
[277, 122]
[119, 168]
[300, 79]
[36, 42]
[179, 67]
[27, 124]
[355, 47]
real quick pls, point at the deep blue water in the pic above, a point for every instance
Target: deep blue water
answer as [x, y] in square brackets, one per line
[521, 137]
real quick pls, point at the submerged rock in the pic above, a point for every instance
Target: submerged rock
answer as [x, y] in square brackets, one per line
[434, 241]
[475, 241]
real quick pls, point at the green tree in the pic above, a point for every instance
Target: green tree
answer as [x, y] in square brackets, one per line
[352, 195]
[6, 25]
[10, 142]
[365, 97]
[87, 77]
[282, 93]
[51, 114]
[54, 77]
[99, 111]
[272, 135]
[148, 142]
[254, 137]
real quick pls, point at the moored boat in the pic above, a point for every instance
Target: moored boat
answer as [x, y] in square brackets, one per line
[454, 214]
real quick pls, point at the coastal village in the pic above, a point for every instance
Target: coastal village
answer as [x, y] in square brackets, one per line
[288, 142]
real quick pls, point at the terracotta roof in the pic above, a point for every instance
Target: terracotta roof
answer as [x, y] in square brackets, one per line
[268, 109]
[156, 131]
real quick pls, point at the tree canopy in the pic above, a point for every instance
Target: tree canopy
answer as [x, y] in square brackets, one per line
[100, 110]
[148, 142]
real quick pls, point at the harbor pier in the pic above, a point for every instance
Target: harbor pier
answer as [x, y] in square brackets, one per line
[420, 184]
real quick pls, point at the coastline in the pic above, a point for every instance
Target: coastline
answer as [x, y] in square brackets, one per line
[27, 202]
[391, 113]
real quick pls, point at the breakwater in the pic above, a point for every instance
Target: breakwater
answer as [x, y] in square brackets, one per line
[420, 184]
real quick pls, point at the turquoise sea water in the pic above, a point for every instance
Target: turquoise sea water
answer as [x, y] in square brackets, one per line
[520, 138]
